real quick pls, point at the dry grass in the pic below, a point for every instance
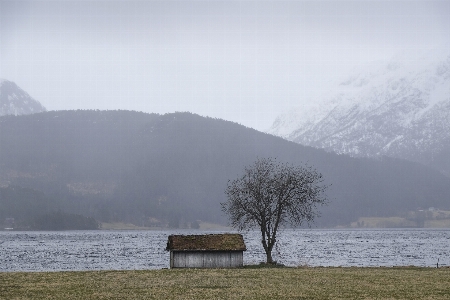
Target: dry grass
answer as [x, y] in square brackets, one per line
[210, 242]
[279, 283]
[436, 219]
[127, 226]
[437, 223]
[121, 226]
[397, 222]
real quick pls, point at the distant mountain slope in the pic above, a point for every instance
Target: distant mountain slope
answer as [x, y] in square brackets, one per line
[173, 168]
[15, 101]
[399, 109]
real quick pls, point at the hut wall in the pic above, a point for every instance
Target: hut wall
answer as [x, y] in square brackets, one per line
[206, 259]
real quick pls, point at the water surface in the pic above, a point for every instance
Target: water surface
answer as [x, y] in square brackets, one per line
[140, 250]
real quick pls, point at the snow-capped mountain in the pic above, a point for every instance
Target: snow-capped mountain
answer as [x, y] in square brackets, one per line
[15, 101]
[400, 108]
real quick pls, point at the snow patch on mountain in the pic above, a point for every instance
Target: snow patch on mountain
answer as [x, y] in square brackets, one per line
[15, 101]
[399, 108]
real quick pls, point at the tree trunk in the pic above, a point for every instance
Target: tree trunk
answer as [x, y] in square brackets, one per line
[268, 245]
[269, 259]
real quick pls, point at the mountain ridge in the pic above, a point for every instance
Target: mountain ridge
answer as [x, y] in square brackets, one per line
[393, 109]
[15, 101]
[137, 167]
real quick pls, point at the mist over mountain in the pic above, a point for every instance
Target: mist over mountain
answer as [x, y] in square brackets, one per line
[172, 170]
[15, 101]
[399, 109]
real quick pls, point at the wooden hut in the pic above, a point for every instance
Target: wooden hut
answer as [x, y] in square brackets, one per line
[206, 251]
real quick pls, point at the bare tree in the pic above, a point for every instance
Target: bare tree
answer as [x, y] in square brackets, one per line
[272, 194]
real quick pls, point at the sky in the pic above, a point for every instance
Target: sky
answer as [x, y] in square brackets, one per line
[243, 61]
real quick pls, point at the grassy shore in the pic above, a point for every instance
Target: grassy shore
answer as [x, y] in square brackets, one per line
[246, 283]
[128, 226]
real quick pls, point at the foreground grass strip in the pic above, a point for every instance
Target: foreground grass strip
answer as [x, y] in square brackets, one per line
[273, 283]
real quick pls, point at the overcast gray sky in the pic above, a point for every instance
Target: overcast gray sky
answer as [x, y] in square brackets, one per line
[244, 61]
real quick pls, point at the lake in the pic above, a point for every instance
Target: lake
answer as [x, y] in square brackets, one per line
[140, 250]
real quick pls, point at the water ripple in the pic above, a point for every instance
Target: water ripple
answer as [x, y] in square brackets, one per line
[137, 250]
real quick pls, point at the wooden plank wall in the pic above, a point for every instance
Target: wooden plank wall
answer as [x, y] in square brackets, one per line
[206, 259]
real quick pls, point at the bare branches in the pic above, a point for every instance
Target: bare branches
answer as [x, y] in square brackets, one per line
[270, 194]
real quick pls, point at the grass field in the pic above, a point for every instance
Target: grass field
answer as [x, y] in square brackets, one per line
[246, 283]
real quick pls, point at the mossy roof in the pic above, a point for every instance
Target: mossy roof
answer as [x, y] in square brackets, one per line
[206, 242]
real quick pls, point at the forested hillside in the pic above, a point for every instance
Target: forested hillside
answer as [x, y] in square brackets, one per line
[171, 170]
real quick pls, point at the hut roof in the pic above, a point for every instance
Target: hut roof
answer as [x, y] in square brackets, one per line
[206, 242]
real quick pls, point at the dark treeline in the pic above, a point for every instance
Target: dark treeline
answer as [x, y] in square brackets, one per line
[59, 220]
[28, 209]
[171, 170]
